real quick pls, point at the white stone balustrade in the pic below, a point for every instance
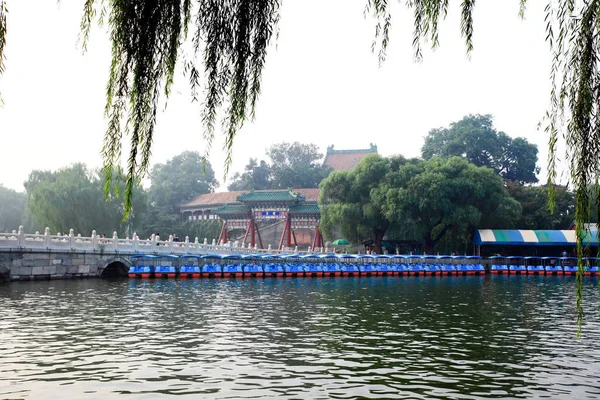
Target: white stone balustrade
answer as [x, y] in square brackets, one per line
[19, 240]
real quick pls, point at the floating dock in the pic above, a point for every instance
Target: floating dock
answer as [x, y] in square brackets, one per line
[345, 265]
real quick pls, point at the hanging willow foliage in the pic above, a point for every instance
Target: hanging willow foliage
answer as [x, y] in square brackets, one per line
[231, 38]
[3, 12]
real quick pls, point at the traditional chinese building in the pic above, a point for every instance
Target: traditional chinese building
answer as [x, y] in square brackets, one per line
[287, 217]
[346, 160]
[256, 210]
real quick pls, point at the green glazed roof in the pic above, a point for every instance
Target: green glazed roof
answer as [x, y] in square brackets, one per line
[275, 195]
[305, 209]
[232, 209]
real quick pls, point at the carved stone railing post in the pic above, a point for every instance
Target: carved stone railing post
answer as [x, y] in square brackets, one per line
[94, 240]
[71, 239]
[170, 244]
[186, 244]
[115, 241]
[134, 242]
[21, 236]
[47, 237]
[205, 241]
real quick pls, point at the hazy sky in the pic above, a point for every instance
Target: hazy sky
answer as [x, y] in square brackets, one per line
[321, 85]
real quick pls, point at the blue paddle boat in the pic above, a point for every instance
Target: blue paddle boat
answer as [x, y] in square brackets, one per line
[166, 269]
[569, 265]
[499, 265]
[516, 265]
[552, 266]
[446, 268]
[212, 267]
[143, 266]
[232, 267]
[534, 266]
[190, 267]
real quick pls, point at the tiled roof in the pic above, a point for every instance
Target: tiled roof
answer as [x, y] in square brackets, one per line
[230, 209]
[310, 195]
[219, 199]
[210, 199]
[270, 195]
[305, 209]
[346, 160]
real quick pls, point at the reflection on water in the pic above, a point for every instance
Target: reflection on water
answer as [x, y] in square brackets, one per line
[396, 337]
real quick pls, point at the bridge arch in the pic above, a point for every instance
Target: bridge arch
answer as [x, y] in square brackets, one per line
[114, 268]
[4, 273]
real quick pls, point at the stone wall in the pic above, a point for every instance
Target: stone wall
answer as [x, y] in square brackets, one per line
[31, 265]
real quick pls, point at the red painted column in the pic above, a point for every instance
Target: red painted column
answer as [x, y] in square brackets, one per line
[246, 234]
[252, 229]
[318, 241]
[288, 239]
[225, 238]
[223, 233]
[259, 238]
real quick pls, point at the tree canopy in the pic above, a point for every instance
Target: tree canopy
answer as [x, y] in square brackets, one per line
[292, 165]
[256, 176]
[12, 209]
[475, 139]
[434, 197]
[534, 202]
[172, 184]
[296, 165]
[73, 198]
[346, 205]
[179, 180]
[424, 200]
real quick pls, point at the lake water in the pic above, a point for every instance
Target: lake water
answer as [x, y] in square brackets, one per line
[395, 337]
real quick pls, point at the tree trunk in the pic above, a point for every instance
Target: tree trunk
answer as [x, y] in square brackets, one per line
[377, 239]
[428, 243]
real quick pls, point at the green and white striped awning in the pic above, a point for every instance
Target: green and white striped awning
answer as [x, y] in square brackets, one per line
[522, 237]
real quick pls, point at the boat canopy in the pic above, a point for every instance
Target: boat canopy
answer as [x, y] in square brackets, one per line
[521, 237]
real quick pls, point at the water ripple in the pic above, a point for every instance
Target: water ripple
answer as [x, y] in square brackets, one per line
[396, 338]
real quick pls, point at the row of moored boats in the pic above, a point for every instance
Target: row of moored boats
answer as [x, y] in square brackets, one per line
[325, 265]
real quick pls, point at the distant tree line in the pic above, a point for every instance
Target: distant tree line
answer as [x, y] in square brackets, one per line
[73, 198]
[469, 176]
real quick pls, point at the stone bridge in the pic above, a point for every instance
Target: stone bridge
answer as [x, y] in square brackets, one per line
[45, 256]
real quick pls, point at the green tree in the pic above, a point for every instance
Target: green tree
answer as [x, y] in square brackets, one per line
[256, 176]
[475, 139]
[435, 197]
[296, 165]
[346, 204]
[292, 165]
[73, 198]
[12, 209]
[534, 203]
[179, 180]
